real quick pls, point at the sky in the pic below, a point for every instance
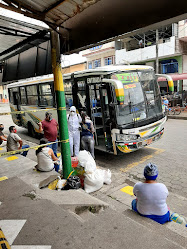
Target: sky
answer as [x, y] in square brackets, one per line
[67, 60]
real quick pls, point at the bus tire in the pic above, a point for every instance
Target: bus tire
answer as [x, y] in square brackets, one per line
[31, 130]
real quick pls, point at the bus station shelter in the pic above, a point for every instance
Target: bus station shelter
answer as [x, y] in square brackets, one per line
[73, 25]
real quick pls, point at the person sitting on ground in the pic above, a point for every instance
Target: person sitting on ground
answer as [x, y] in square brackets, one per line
[46, 158]
[151, 196]
[3, 138]
[14, 142]
[87, 139]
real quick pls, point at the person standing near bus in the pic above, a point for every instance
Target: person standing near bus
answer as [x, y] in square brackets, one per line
[87, 139]
[50, 128]
[74, 126]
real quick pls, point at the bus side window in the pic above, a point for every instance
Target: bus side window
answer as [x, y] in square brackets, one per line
[10, 96]
[68, 93]
[23, 96]
[45, 95]
[32, 95]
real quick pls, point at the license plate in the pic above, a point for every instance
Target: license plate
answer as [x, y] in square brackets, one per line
[149, 141]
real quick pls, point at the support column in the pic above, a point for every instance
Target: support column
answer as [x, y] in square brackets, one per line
[61, 104]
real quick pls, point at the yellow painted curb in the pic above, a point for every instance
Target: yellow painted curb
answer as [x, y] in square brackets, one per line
[128, 190]
[3, 178]
[11, 158]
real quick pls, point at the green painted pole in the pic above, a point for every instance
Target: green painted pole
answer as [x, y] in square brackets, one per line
[61, 104]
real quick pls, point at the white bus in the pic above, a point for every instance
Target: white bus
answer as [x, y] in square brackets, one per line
[124, 103]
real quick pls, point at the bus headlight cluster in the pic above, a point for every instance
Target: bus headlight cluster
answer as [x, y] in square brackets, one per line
[122, 137]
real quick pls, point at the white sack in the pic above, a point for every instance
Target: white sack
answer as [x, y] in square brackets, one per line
[95, 180]
[86, 161]
[107, 177]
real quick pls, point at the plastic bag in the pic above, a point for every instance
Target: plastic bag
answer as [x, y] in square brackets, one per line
[61, 183]
[73, 182]
[86, 160]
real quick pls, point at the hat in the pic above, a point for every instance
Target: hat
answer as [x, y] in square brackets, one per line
[47, 114]
[150, 171]
[72, 108]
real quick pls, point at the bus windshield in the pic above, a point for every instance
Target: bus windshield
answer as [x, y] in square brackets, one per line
[141, 97]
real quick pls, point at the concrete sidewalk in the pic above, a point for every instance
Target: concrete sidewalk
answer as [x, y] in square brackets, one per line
[182, 115]
[43, 218]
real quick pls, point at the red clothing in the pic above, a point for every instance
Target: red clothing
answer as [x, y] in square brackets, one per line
[50, 129]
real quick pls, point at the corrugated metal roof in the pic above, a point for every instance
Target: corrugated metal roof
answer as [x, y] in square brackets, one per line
[13, 32]
[82, 24]
[85, 22]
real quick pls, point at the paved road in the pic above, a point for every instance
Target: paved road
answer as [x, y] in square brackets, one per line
[42, 222]
[169, 153]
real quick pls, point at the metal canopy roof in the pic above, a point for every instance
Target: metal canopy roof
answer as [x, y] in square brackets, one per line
[83, 23]
[17, 36]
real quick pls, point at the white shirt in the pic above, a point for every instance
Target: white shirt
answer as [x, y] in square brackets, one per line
[151, 198]
[45, 162]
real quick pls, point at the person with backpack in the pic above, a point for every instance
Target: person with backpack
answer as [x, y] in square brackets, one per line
[74, 120]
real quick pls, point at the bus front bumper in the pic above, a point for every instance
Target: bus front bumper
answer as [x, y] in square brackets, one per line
[135, 145]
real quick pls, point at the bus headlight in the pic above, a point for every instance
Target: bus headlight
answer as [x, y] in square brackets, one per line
[123, 137]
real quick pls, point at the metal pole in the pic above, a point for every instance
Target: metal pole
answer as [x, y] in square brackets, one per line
[61, 104]
[157, 63]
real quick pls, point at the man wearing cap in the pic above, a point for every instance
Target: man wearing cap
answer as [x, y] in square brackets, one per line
[151, 196]
[50, 128]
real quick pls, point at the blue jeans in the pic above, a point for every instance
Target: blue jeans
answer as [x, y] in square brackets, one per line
[158, 218]
[54, 147]
[24, 153]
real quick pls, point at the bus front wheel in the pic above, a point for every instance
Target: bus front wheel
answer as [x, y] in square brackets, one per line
[31, 130]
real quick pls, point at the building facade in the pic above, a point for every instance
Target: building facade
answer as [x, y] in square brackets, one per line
[172, 53]
[100, 56]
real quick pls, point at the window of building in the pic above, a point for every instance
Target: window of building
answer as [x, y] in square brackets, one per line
[90, 65]
[169, 66]
[108, 61]
[97, 63]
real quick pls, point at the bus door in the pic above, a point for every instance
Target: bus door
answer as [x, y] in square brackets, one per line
[100, 97]
[95, 111]
[16, 103]
[106, 99]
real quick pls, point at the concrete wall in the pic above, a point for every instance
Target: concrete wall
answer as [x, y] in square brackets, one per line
[100, 52]
[185, 71]
[147, 53]
[182, 29]
[74, 68]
